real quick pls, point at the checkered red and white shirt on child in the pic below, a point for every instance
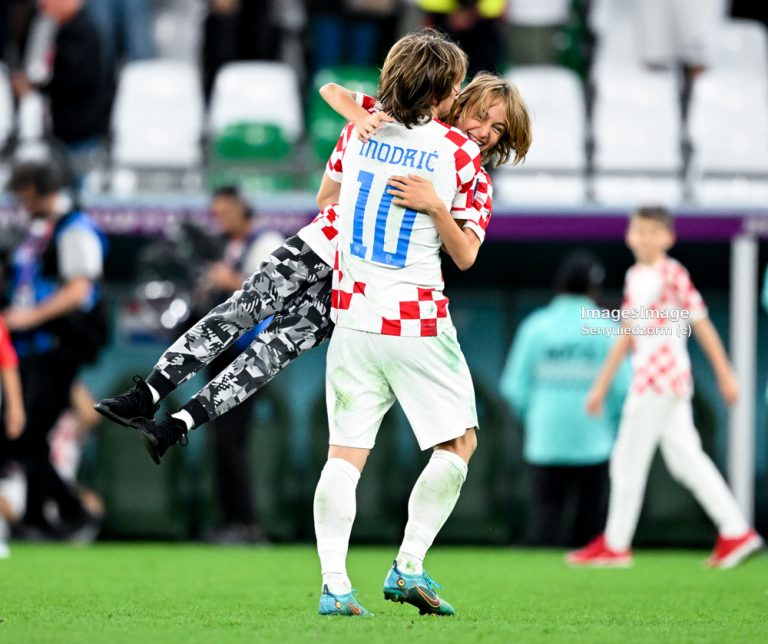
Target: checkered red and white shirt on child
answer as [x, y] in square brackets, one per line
[661, 302]
[387, 276]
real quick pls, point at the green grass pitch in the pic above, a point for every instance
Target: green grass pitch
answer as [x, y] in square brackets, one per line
[116, 593]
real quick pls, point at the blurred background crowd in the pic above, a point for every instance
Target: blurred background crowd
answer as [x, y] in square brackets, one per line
[163, 94]
[193, 133]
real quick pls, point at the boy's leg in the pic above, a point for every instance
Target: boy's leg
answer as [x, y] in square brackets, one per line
[307, 326]
[271, 351]
[688, 463]
[641, 420]
[287, 272]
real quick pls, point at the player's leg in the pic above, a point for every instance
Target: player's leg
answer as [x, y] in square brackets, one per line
[357, 397]
[288, 272]
[433, 385]
[307, 326]
[641, 420]
[548, 491]
[689, 464]
[590, 483]
[232, 476]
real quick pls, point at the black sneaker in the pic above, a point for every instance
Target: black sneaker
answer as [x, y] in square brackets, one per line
[130, 408]
[158, 437]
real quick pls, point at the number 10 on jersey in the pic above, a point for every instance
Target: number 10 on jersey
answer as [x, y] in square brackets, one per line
[378, 253]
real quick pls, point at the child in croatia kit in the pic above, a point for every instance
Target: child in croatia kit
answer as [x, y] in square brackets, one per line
[393, 337]
[660, 302]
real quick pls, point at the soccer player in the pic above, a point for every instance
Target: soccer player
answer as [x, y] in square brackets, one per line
[660, 302]
[394, 339]
[295, 282]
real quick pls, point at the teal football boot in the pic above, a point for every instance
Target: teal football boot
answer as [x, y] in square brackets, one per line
[346, 605]
[418, 590]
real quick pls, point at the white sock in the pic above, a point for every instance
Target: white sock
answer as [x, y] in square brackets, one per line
[154, 392]
[432, 500]
[334, 509]
[185, 417]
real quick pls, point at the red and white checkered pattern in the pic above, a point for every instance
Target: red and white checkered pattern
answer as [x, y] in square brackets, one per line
[405, 300]
[421, 316]
[322, 234]
[334, 168]
[480, 205]
[660, 361]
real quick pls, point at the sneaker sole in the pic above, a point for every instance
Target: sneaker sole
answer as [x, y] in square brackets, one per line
[150, 444]
[742, 553]
[601, 563]
[402, 597]
[133, 423]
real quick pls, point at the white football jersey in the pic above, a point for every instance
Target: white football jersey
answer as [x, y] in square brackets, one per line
[387, 276]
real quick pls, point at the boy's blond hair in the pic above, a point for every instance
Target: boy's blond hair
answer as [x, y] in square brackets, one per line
[654, 213]
[421, 70]
[475, 99]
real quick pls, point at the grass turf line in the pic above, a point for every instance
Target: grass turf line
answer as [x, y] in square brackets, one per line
[115, 593]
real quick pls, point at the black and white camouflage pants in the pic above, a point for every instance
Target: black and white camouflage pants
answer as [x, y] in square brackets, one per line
[294, 285]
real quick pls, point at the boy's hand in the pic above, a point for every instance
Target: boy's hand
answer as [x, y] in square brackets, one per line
[15, 419]
[414, 192]
[729, 387]
[594, 401]
[371, 124]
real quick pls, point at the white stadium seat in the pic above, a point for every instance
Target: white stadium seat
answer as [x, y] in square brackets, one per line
[743, 46]
[553, 171]
[538, 13]
[728, 123]
[157, 119]
[731, 192]
[555, 98]
[6, 106]
[616, 49]
[631, 191]
[636, 122]
[538, 189]
[263, 92]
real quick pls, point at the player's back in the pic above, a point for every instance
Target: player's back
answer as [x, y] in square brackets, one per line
[389, 277]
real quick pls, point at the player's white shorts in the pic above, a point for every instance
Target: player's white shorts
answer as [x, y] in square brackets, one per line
[429, 377]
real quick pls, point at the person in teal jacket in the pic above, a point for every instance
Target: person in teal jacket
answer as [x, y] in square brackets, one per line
[556, 355]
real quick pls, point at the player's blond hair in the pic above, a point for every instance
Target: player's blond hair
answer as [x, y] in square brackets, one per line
[475, 100]
[421, 70]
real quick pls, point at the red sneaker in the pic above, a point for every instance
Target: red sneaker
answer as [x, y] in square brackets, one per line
[729, 553]
[597, 553]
